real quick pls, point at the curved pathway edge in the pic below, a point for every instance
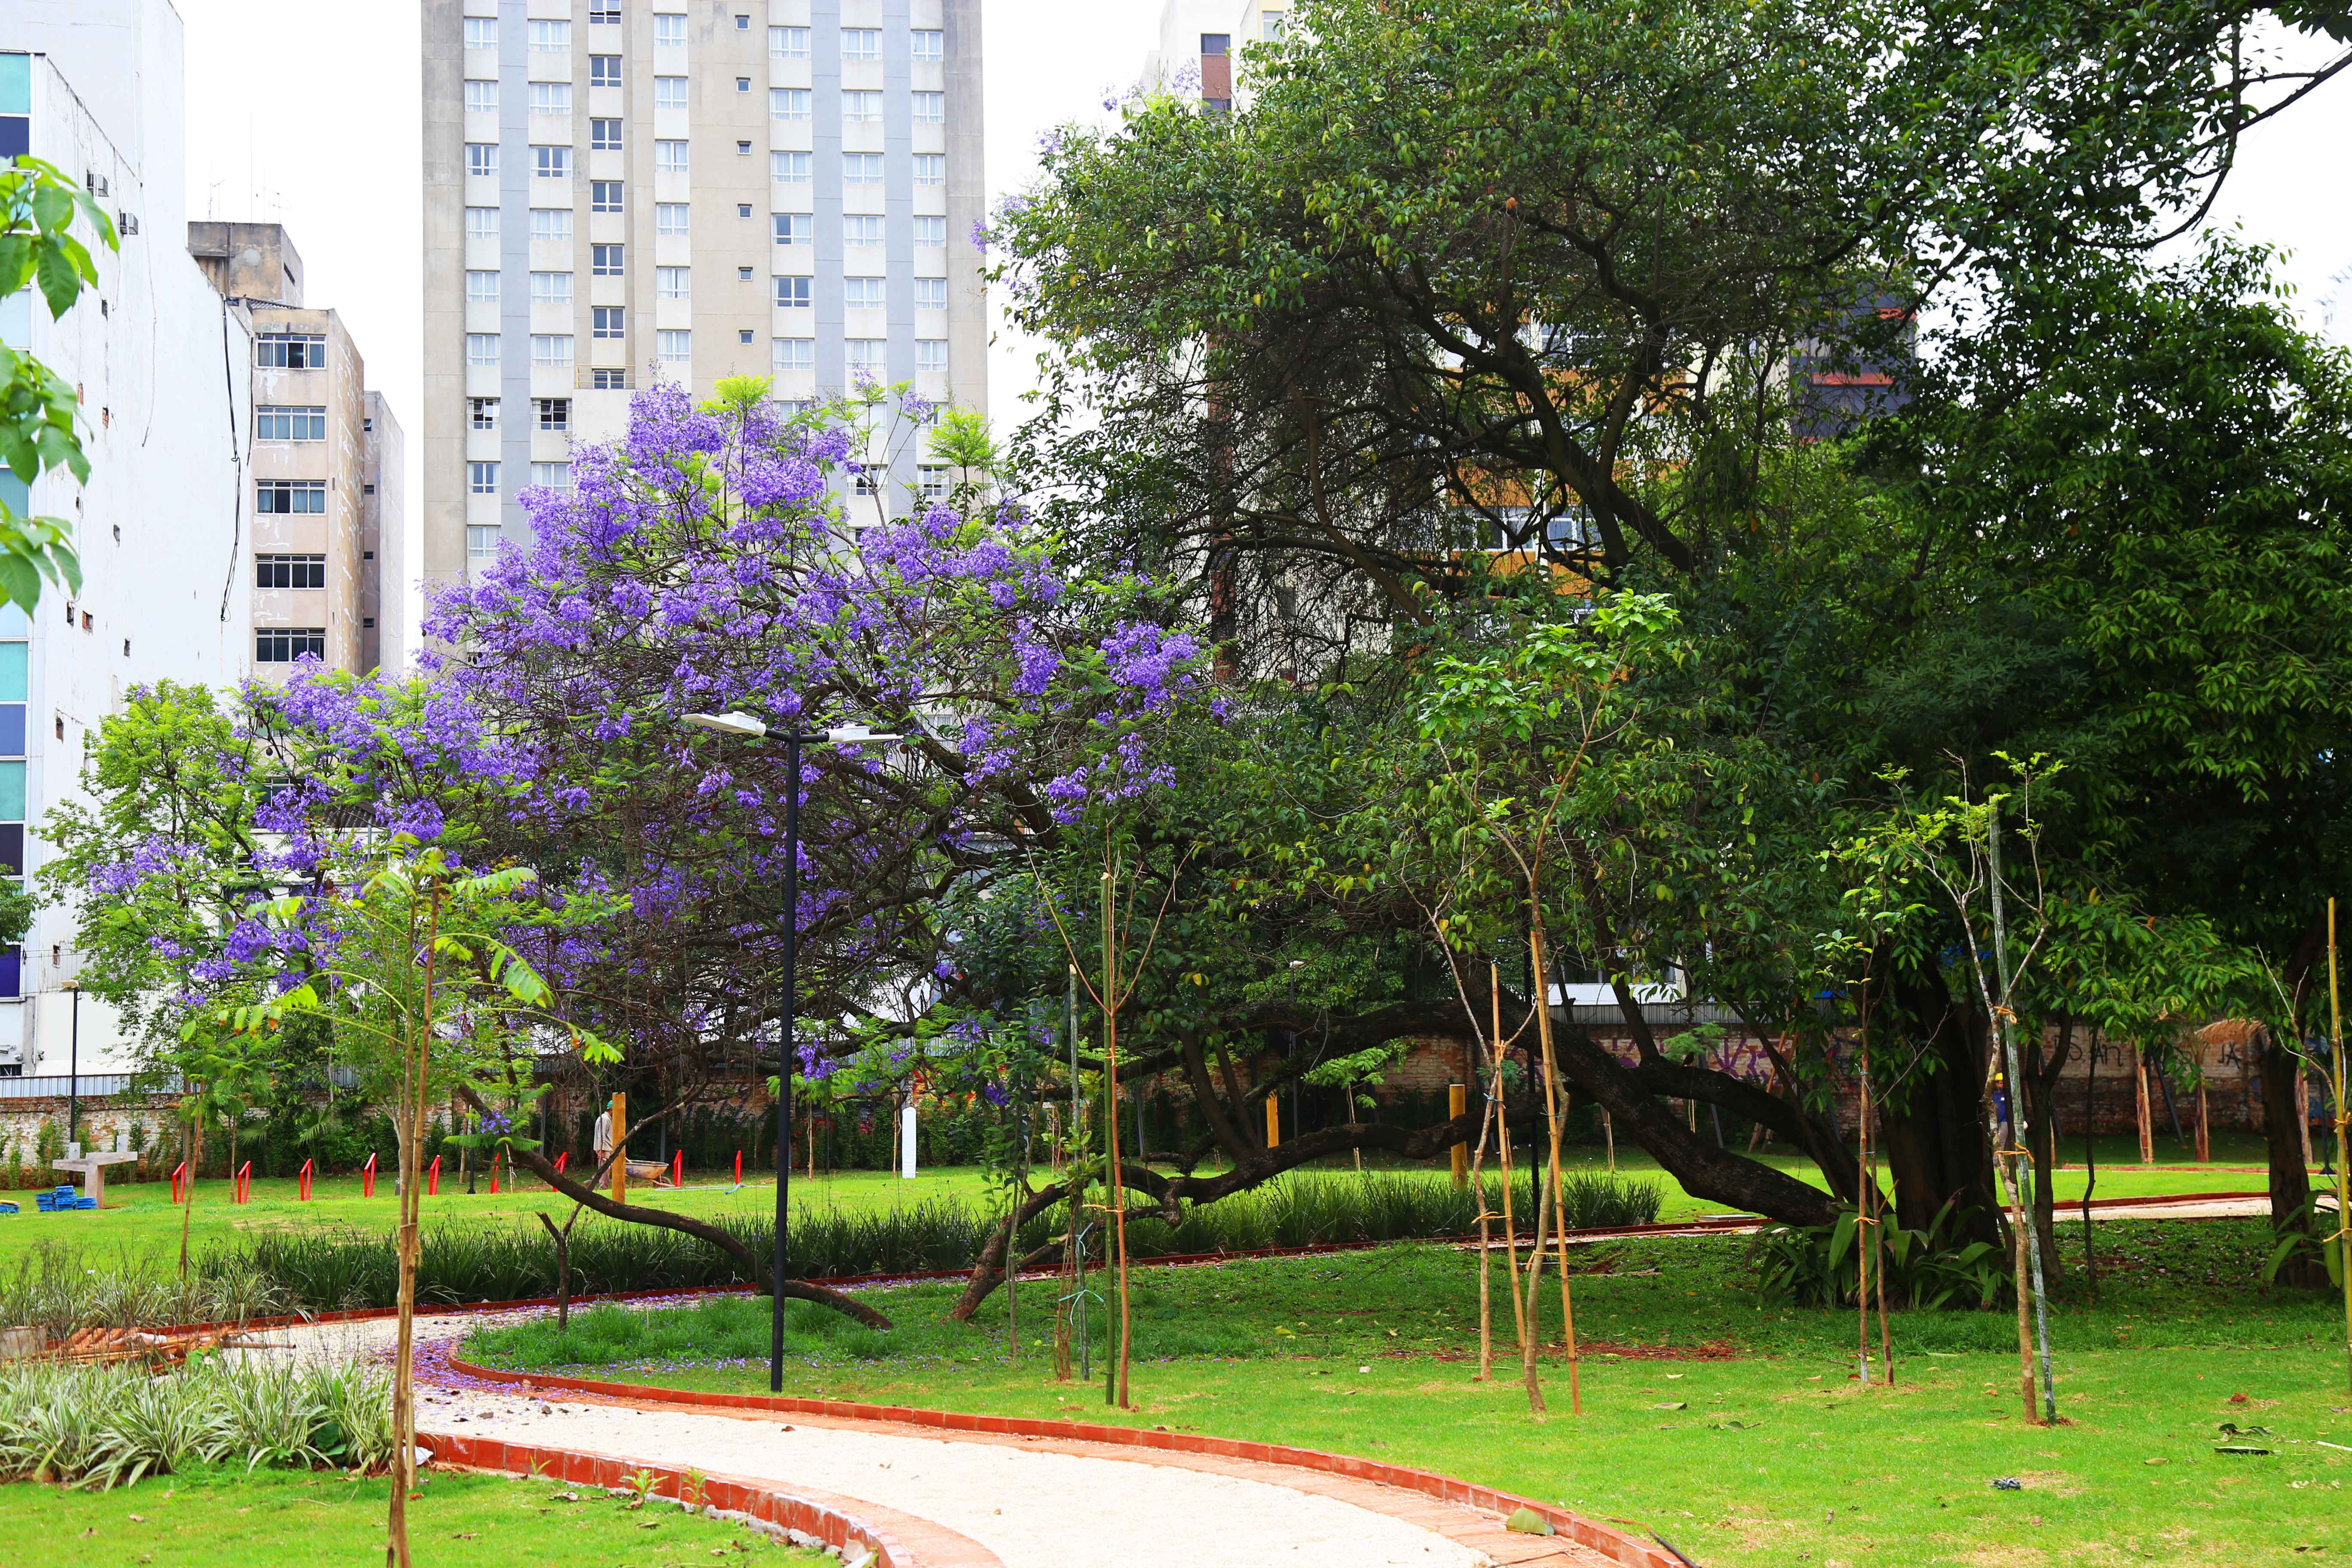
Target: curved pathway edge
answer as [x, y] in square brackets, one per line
[1614, 1544]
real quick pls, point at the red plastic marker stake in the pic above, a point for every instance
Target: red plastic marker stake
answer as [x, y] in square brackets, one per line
[738, 1167]
[367, 1178]
[677, 1169]
[433, 1179]
[303, 1195]
[494, 1175]
[559, 1162]
[245, 1182]
[179, 1179]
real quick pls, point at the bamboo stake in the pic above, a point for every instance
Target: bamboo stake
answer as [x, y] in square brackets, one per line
[1559, 1194]
[2343, 1236]
[1861, 1217]
[1510, 1227]
[1478, 1184]
[2028, 1243]
[2147, 1126]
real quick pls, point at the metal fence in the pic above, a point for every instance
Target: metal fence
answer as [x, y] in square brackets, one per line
[89, 1085]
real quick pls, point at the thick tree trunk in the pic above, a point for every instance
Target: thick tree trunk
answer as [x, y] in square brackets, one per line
[2290, 1178]
[1930, 1119]
[2042, 1069]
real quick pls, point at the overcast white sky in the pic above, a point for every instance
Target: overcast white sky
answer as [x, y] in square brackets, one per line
[307, 114]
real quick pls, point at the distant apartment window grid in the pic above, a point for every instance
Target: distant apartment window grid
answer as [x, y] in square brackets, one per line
[608, 321]
[481, 32]
[277, 422]
[930, 108]
[603, 70]
[865, 293]
[788, 43]
[284, 645]
[867, 357]
[481, 287]
[669, 29]
[551, 162]
[861, 228]
[289, 571]
[482, 478]
[673, 346]
[551, 37]
[930, 168]
[791, 168]
[861, 107]
[481, 158]
[792, 293]
[550, 288]
[934, 479]
[604, 135]
[481, 541]
[861, 43]
[932, 231]
[931, 354]
[481, 223]
[550, 351]
[290, 498]
[482, 349]
[670, 219]
[927, 46]
[550, 223]
[607, 261]
[669, 158]
[290, 351]
[672, 283]
[552, 476]
[861, 168]
[789, 104]
[604, 195]
[554, 413]
[793, 354]
[481, 97]
[930, 293]
[669, 93]
[485, 412]
[793, 229]
[551, 97]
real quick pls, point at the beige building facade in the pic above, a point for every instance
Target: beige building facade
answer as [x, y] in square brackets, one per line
[323, 465]
[684, 190]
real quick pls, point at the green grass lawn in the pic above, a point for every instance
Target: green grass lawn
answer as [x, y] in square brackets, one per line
[141, 1222]
[1733, 1428]
[278, 1519]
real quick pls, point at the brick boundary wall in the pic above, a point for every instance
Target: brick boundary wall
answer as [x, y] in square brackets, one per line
[1614, 1544]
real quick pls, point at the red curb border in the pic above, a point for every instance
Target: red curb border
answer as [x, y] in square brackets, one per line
[1614, 1544]
[732, 1494]
[917, 1276]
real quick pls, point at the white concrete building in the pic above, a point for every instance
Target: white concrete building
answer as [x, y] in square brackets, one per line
[164, 525]
[1202, 43]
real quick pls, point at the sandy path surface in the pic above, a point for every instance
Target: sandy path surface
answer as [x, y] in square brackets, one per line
[1034, 1507]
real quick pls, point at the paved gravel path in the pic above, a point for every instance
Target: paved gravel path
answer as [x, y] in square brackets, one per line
[1053, 1505]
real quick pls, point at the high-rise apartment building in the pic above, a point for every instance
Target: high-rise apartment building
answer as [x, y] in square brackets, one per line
[1200, 43]
[689, 190]
[325, 465]
[157, 362]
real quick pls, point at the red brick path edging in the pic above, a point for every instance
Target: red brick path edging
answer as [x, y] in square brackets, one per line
[1612, 1544]
[812, 1515]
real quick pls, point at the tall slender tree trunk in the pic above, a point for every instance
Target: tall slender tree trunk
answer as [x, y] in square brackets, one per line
[1552, 1111]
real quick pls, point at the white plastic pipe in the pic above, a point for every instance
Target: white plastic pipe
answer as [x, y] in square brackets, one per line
[907, 1143]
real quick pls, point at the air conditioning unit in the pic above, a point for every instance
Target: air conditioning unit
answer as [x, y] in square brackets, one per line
[96, 182]
[126, 223]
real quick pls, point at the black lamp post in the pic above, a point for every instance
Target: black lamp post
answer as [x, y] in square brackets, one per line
[745, 725]
[73, 1065]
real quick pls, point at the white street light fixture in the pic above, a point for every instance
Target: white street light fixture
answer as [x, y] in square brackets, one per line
[730, 723]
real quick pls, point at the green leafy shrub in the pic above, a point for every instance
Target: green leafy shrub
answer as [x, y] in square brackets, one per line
[1820, 1266]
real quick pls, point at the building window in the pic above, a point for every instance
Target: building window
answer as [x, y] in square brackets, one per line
[551, 162]
[861, 168]
[550, 288]
[861, 107]
[788, 43]
[604, 135]
[931, 354]
[485, 412]
[788, 103]
[281, 497]
[481, 223]
[932, 231]
[551, 351]
[554, 413]
[930, 168]
[482, 157]
[482, 348]
[288, 424]
[284, 645]
[669, 93]
[744, 148]
[603, 70]
[481, 32]
[551, 97]
[867, 483]
[604, 195]
[1215, 44]
[869, 357]
[481, 97]
[930, 293]
[482, 478]
[289, 571]
[481, 541]
[1217, 105]
[792, 293]
[604, 262]
[862, 228]
[608, 321]
[603, 16]
[927, 45]
[551, 37]
[933, 478]
[742, 84]
[671, 283]
[609, 380]
[789, 168]
[742, 209]
[673, 346]
[864, 294]
[669, 219]
[861, 43]
[930, 108]
[1275, 21]
[552, 476]
[669, 29]
[791, 228]
[481, 287]
[290, 351]
[669, 157]
[792, 354]
[552, 222]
